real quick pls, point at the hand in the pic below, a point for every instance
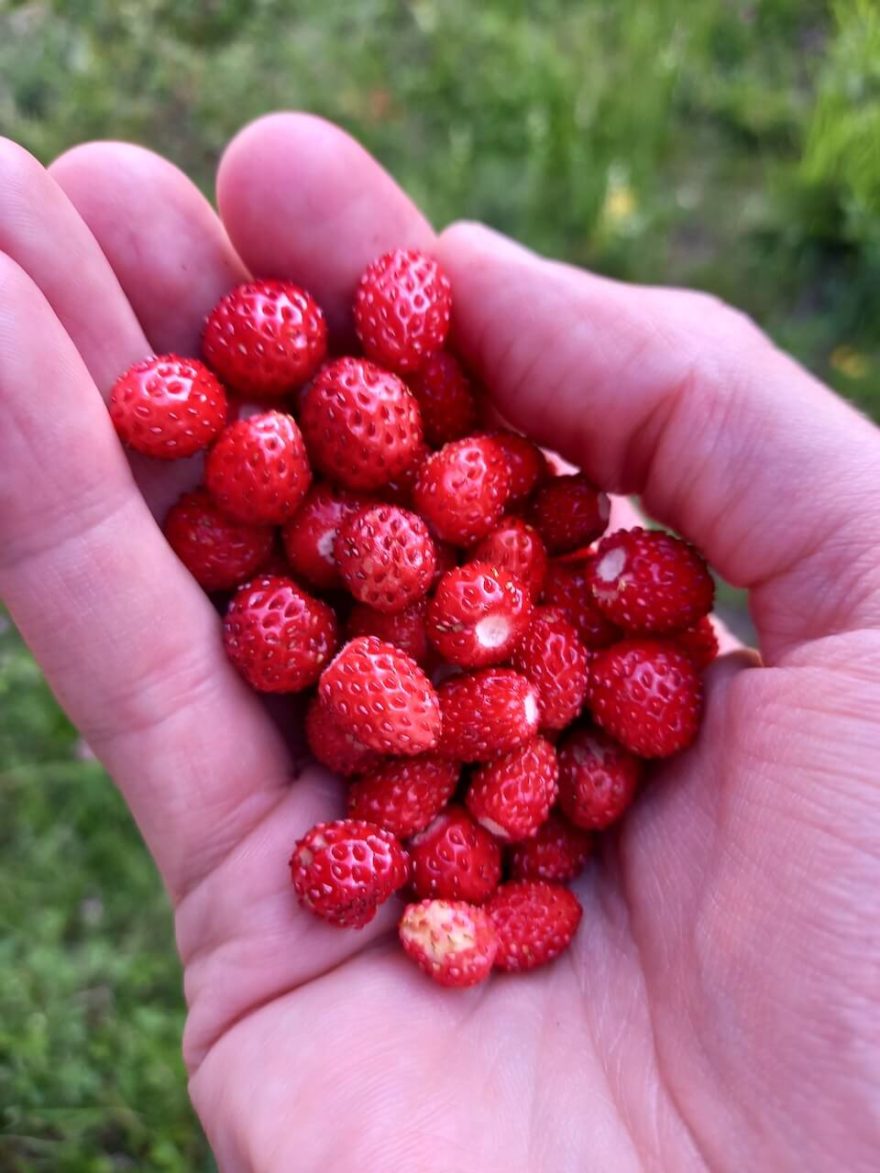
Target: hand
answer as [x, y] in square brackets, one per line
[719, 1006]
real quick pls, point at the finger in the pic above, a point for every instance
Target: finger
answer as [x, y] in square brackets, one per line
[126, 638]
[165, 243]
[671, 395]
[301, 199]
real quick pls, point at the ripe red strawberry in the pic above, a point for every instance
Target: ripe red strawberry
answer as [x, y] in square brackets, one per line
[385, 556]
[647, 581]
[277, 636]
[361, 424]
[167, 407]
[557, 853]
[343, 871]
[402, 308]
[454, 859]
[265, 338]
[565, 587]
[511, 796]
[477, 615]
[552, 657]
[598, 778]
[217, 552]
[403, 795]
[446, 399]
[405, 630]
[700, 642]
[332, 744]
[526, 462]
[535, 922]
[310, 535]
[516, 546]
[569, 512]
[462, 489]
[647, 694]
[399, 490]
[486, 713]
[382, 697]
[258, 471]
[451, 941]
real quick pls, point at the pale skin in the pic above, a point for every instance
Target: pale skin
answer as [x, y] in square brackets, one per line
[719, 1006]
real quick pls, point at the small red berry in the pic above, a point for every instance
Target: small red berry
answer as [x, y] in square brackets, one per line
[552, 657]
[333, 745]
[569, 512]
[516, 546]
[598, 779]
[258, 471]
[535, 922]
[403, 795]
[361, 425]
[486, 713]
[455, 859]
[167, 407]
[461, 490]
[478, 615]
[219, 553]
[511, 796]
[700, 642]
[647, 694]
[277, 636]
[382, 697]
[399, 490]
[451, 941]
[647, 581]
[565, 587]
[557, 853]
[526, 462]
[265, 338]
[385, 556]
[405, 629]
[310, 535]
[446, 399]
[402, 308]
[343, 871]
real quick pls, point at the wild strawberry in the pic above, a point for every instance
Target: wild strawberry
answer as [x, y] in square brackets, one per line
[277, 636]
[557, 853]
[258, 472]
[598, 778]
[217, 552]
[310, 535]
[477, 615]
[454, 859]
[402, 308]
[385, 556]
[486, 713]
[565, 587]
[451, 941]
[526, 462]
[399, 490]
[332, 744]
[462, 489]
[167, 407]
[405, 629]
[403, 795]
[535, 922]
[646, 694]
[700, 642]
[516, 546]
[647, 581]
[343, 871]
[511, 796]
[383, 697]
[552, 657]
[265, 338]
[569, 512]
[446, 399]
[361, 424]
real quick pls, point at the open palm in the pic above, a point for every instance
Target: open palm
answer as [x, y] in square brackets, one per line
[719, 1004]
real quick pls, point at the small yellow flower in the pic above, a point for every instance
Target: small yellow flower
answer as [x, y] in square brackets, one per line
[620, 203]
[849, 362]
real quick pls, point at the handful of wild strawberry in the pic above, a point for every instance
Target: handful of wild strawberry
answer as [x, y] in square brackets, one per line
[492, 683]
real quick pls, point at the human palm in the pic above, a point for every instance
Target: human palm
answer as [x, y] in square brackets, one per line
[718, 1006]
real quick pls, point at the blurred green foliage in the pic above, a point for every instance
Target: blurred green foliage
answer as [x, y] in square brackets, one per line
[726, 144]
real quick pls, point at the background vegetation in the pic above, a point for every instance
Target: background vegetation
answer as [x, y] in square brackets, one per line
[718, 143]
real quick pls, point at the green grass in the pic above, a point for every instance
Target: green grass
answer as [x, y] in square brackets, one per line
[726, 144]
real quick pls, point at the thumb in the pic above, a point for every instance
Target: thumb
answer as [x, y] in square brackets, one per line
[677, 397]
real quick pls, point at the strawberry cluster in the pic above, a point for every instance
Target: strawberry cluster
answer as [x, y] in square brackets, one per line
[489, 673]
